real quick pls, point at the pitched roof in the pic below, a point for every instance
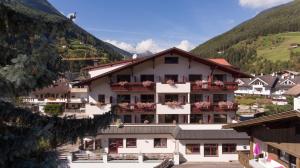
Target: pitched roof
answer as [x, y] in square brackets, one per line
[265, 119]
[139, 129]
[173, 51]
[60, 87]
[294, 91]
[220, 61]
[210, 134]
[175, 131]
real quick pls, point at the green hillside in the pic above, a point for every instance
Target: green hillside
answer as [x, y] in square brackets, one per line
[264, 39]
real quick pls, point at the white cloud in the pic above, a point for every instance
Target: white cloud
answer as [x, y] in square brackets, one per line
[185, 45]
[262, 4]
[149, 45]
[122, 45]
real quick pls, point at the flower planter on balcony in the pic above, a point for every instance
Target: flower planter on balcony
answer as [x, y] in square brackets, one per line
[138, 107]
[225, 106]
[144, 107]
[201, 107]
[232, 86]
[133, 86]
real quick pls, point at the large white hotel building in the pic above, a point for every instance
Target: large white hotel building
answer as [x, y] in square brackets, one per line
[170, 105]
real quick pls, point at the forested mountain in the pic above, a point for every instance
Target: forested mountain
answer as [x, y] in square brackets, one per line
[23, 21]
[31, 36]
[250, 43]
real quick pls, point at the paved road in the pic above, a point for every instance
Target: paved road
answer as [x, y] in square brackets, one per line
[210, 165]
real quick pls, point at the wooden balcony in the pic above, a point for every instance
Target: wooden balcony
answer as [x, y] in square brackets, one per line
[209, 86]
[137, 107]
[223, 107]
[218, 107]
[133, 86]
[202, 108]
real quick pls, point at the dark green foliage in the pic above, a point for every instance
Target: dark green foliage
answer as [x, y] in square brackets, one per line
[28, 139]
[53, 109]
[272, 109]
[284, 18]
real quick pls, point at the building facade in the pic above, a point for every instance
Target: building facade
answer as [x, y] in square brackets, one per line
[169, 104]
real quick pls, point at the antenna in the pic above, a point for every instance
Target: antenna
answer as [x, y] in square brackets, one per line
[72, 16]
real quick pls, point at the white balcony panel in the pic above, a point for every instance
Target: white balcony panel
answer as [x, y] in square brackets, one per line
[176, 88]
[97, 109]
[165, 109]
[77, 100]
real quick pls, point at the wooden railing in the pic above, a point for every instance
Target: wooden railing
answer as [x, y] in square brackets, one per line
[244, 157]
[212, 86]
[132, 86]
[215, 107]
[136, 108]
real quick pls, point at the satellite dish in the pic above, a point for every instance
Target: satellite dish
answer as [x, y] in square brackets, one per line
[72, 16]
[134, 56]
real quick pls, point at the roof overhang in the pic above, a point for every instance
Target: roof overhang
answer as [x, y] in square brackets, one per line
[236, 73]
[269, 119]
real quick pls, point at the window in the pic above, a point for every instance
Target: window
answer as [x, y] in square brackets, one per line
[127, 119]
[297, 129]
[196, 118]
[149, 118]
[160, 142]
[171, 98]
[171, 77]
[122, 78]
[210, 150]
[123, 98]
[194, 78]
[196, 98]
[131, 143]
[171, 118]
[147, 78]
[192, 148]
[147, 98]
[219, 97]
[219, 77]
[101, 98]
[220, 118]
[228, 148]
[171, 60]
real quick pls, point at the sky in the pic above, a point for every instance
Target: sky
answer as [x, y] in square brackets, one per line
[154, 25]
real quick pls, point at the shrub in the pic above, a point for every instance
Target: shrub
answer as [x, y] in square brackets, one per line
[53, 109]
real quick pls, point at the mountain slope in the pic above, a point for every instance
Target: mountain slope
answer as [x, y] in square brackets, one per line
[260, 44]
[24, 20]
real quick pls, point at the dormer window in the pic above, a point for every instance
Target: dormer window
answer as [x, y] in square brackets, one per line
[171, 60]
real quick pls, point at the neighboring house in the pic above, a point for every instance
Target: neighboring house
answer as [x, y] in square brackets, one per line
[272, 86]
[295, 92]
[274, 142]
[170, 105]
[260, 85]
[60, 92]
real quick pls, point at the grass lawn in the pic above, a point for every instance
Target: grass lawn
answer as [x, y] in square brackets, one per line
[281, 51]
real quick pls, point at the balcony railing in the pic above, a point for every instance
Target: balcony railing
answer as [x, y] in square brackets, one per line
[232, 86]
[133, 86]
[201, 107]
[220, 107]
[225, 106]
[123, 156]
[137, 107]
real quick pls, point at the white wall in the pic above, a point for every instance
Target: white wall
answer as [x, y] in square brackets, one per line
[297, 103]
[221, 157]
